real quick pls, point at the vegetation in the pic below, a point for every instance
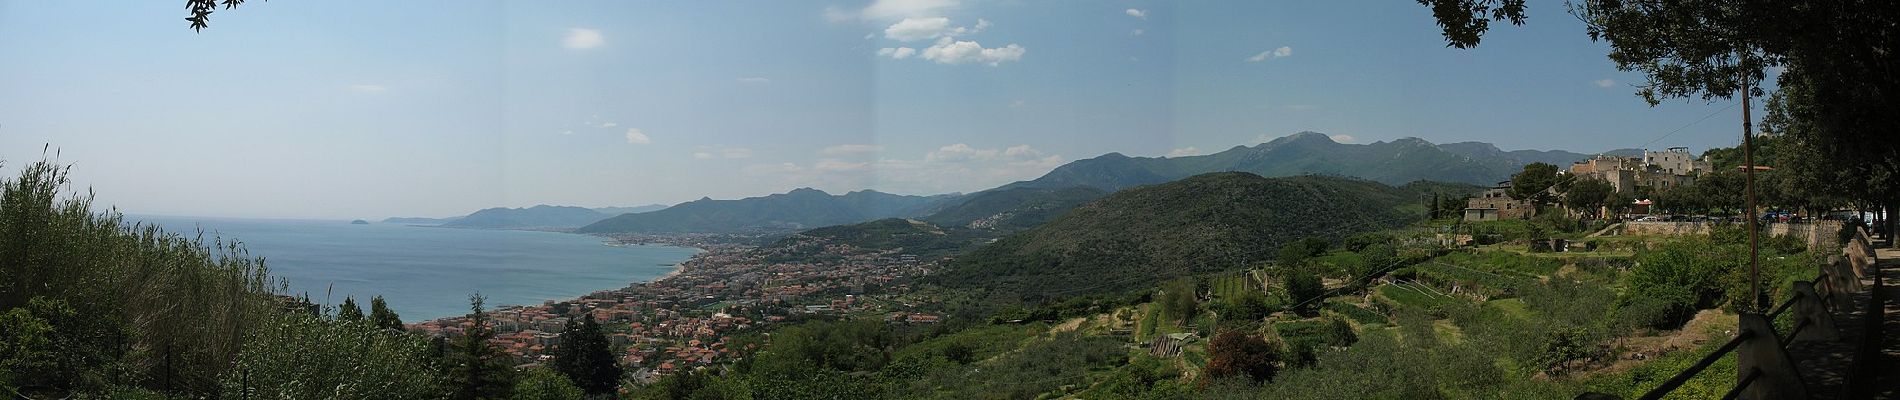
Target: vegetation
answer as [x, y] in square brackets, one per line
[585, 358]
[1207, 223]
[1014, 209]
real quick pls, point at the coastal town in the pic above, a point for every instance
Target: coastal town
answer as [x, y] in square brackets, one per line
[690, 318]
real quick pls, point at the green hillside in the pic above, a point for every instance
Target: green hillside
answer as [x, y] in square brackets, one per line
[904, 235]
[1209, 222]
[1015, 208]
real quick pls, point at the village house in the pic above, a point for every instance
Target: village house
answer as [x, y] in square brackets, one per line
[1496, 203]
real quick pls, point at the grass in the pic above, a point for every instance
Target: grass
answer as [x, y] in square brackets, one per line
[1355, 312]
[1407, 295]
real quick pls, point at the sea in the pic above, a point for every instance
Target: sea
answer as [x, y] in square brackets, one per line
[426, 272]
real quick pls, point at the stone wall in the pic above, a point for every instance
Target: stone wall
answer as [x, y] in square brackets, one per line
[1667, 228]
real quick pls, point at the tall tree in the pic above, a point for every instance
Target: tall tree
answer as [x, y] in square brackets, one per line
[1589, 196]
[349, 312]
[585, 356]
[478, 370]
[381, 316]
[1534, 183]
[1234, 353]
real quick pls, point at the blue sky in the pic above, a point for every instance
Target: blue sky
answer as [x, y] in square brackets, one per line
[357, 109]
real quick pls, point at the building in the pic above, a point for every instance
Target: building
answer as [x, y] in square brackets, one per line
[1496, 203]
[1676, 161]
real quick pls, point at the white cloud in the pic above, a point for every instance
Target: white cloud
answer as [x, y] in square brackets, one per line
[1344, 138]
[1283, 51]
[635, 136]
[959, 152]
[951, 51]
[1182, 152]
[850, 149]
[609, 124]
[702, 155]
[914, 29]
[890, 9]
[1018, 103]
[897, 53]
[1605, 82]
[367, 88]
[1143, 14]
[1021, 151]
[1137, 32]
[583, 38]
[831, 165]
[754, 79]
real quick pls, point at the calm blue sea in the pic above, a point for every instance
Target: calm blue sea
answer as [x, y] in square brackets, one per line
[426, 272]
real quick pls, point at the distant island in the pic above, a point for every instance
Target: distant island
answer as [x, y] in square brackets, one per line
[359, 222]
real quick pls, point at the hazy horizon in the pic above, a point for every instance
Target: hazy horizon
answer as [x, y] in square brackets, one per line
[434, 109]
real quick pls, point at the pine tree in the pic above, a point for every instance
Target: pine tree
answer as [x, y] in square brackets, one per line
[381, 316]
[476, 369]
[584, 356]
[349, 312]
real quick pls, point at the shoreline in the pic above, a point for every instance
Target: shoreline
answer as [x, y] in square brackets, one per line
[678, 268]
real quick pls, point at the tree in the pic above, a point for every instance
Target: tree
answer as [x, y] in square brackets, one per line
[1177, 299]
[381, 316]
[1296, 253]
[586, 358]
[1842, 53]
[1303, 289]
[1233, 353]
[349, 312]
[1340, 334]
[478, 370]
[543, 384]
[1589, 195]
[1533, 184]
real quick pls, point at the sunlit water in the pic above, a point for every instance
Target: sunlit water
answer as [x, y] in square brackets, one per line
[427, 272]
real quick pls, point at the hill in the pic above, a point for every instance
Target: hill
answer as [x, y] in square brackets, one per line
[630, 210]
[1210, 222]
[907, 236]
[794, 210]
[1013, 208]
[540, 216]
[1392, 163]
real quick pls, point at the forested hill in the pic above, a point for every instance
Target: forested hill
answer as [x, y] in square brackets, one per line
[798, 209]
[1014, 208]
[1133, 238]
[1395, 162]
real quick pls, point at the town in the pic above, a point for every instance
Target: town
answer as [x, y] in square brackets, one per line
[688, 320]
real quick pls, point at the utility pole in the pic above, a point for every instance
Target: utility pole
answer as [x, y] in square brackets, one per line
[1748, 163]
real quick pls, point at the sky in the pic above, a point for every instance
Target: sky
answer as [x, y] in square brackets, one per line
[343, 109]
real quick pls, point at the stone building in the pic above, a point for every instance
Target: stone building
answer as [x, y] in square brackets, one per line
[1496, 203]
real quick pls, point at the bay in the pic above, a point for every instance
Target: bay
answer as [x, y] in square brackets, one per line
[429, 272]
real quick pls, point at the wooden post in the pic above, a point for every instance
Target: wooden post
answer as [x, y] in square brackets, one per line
[1748, 163]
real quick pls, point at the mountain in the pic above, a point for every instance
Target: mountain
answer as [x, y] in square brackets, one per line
[418, 220]
[1560, 158]
[540, 216]
[798, 209]
[1394, 162]
[1209, 222]
[1013, 208]
[630, 210]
